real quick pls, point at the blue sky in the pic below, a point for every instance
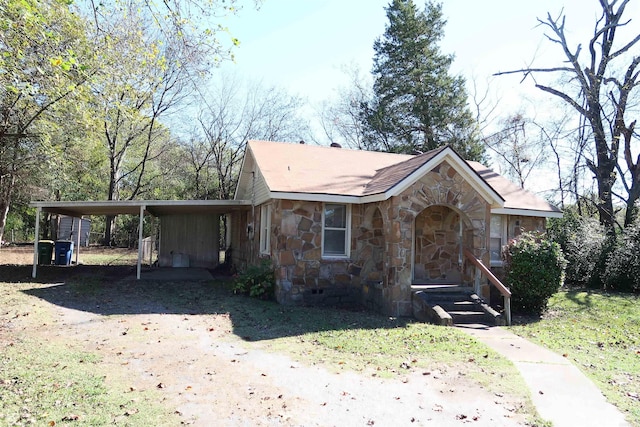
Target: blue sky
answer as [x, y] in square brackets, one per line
[301, 45]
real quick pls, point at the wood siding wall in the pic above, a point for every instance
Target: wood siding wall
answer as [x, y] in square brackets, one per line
[194, 235]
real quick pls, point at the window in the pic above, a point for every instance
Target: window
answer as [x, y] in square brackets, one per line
[497, 239]
[335, 230]
[265, 229]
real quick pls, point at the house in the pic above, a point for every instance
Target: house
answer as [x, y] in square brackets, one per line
[346, 226]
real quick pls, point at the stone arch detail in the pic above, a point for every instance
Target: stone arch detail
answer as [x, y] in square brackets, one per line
[440, 234]
[441, 186]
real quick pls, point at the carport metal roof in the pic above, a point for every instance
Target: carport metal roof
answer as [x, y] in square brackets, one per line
[79, 209]
[132, 207]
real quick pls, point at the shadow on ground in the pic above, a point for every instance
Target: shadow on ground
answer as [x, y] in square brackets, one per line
[111, 291]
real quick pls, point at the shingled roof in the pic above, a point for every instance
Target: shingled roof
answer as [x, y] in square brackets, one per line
[311, 171]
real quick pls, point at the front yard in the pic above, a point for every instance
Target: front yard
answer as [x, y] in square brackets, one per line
[98, 349]
[600, 334]
[87, 346]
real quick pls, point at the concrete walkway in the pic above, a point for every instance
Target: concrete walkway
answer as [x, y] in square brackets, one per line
[561, 393]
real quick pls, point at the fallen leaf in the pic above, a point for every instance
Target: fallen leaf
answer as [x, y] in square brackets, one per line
[160, 385]
[71, 417]
[51, 423]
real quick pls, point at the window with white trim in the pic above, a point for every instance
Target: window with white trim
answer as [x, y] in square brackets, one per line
[336, 220]
[265, 229]
[497, 238]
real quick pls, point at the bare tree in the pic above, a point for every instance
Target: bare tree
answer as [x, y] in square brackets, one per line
[341, 119]
[604, 84]
[231, 115]
[519, 146]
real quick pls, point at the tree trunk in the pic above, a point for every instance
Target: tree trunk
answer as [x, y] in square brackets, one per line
[108, 223]
[6, 190]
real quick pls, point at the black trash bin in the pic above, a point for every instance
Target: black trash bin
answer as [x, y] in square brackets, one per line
[45, 252]
[64, 251]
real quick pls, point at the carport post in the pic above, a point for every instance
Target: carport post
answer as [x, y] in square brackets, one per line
[140, 226]
[35, 243]
[78, 237]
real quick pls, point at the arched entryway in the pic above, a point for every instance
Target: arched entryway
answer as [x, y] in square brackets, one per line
[438, 241]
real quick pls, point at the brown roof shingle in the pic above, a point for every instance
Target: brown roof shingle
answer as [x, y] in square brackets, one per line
[311, 169]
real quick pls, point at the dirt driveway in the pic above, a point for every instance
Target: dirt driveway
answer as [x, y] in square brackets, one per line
[179, 339]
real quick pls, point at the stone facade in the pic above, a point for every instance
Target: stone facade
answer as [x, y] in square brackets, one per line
[456, 201]
[429, 217]
[302, 275]
[415, 237]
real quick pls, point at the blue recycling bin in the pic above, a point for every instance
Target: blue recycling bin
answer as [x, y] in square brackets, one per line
[64, 251]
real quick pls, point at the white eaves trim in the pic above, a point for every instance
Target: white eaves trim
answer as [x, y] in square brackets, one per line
[478, 184]
[317, 197]
[526, 212]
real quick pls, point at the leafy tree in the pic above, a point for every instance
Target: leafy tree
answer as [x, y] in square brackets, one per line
[417, 103]
[44, 59]
[150, 67]
[600, 81]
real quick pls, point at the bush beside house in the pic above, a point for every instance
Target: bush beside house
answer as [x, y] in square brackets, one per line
[535, 270]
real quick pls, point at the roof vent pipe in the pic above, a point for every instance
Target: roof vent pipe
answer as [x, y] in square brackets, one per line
[336, 145]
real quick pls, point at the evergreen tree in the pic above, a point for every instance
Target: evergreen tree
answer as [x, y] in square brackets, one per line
[417, 105]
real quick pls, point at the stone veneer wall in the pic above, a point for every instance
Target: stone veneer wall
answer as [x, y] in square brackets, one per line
[378, 273]
[441, 186]
[437, 245]
[302, 275]
[517, 224]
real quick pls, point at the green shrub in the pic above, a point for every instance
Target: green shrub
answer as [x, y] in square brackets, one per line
[584, 245]
[535, 269]
[256, 281]
[622, 272]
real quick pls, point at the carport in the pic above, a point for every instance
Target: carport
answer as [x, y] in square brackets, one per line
[171, 210]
